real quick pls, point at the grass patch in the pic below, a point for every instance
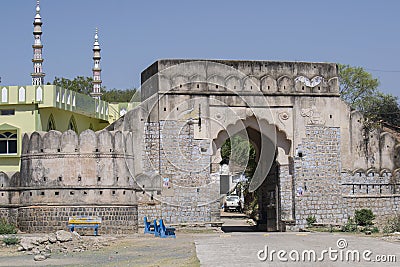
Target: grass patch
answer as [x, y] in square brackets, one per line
[11, 240]
[7, 228]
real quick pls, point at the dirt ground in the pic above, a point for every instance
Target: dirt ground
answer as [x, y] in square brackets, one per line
[135, 250]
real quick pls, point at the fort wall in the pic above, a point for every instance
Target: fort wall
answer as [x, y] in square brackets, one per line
[65, 174]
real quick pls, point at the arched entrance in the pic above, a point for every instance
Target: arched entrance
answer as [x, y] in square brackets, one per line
[272, 160]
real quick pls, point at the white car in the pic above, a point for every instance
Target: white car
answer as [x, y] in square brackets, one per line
[232, 203]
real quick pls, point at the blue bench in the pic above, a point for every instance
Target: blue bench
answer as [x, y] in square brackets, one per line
[162, 231]
[84, 222]
[148, 226]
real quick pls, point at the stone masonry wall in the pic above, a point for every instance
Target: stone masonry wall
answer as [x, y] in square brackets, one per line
[323, 190]
[379, 192]
[189, 193]
[286, 193]
[148, 207]
[10, 215]
[317, 177]
[65, 174]
[45, 219]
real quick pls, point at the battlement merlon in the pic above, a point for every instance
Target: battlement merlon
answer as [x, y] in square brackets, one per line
[192, 76]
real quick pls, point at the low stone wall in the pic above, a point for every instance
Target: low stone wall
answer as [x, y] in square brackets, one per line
[45, 219]
[10, 215]
[148, 207]
[382, 207]
[5, 214]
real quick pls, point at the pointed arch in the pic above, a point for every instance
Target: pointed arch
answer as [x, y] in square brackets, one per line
[72, 124]
[51, 124]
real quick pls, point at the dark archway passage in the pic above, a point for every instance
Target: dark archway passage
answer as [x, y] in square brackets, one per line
[268, 196]
[267, 214]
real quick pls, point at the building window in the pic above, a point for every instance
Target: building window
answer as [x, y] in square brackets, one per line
[8, 142]
[7, 112]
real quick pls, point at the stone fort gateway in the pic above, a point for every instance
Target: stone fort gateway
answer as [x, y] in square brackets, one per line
[161, 159]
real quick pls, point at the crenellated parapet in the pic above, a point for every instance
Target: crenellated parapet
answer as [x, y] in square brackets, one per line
[233, 76]
[91, 159]
[70, 174]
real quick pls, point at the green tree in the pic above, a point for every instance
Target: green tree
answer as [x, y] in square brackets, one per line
[356, 85]
[240, 153]
[118, 95]
[84, 85]
[383, 107]
[360, 90]
[364, 217]
[79, 84]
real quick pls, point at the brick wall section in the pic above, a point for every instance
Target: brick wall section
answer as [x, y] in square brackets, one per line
[317, 175]
[192, 196]
[45, 219]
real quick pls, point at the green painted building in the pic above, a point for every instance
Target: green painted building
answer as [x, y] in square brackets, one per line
[43, 108]
[40, 107]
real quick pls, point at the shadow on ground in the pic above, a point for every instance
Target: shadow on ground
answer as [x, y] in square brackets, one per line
[234, 228]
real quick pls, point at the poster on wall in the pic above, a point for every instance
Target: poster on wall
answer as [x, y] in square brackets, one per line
[299, 191]
[166, 182]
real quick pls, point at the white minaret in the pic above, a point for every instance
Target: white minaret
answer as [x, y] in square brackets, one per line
[96, 93]
[37, 75]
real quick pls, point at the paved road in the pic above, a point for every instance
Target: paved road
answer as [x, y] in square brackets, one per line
[241, 249]
[234, 248]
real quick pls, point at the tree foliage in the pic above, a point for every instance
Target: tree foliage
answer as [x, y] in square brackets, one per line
[364, 217]
[355, 85]
[6, 228]
[383, 107]
[79, 84]
[360, 90]
[240, 153]
[84, 85]
[118, 95]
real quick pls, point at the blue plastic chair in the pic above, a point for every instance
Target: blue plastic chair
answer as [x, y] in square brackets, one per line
[148, 227]
[166, 231]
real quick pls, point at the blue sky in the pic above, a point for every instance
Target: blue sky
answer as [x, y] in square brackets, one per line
[133, 34]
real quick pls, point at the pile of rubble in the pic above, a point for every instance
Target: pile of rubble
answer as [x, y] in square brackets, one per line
[60, 242]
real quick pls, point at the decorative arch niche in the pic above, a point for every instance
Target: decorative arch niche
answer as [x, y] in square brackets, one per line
[51, 124]
[72, 124]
